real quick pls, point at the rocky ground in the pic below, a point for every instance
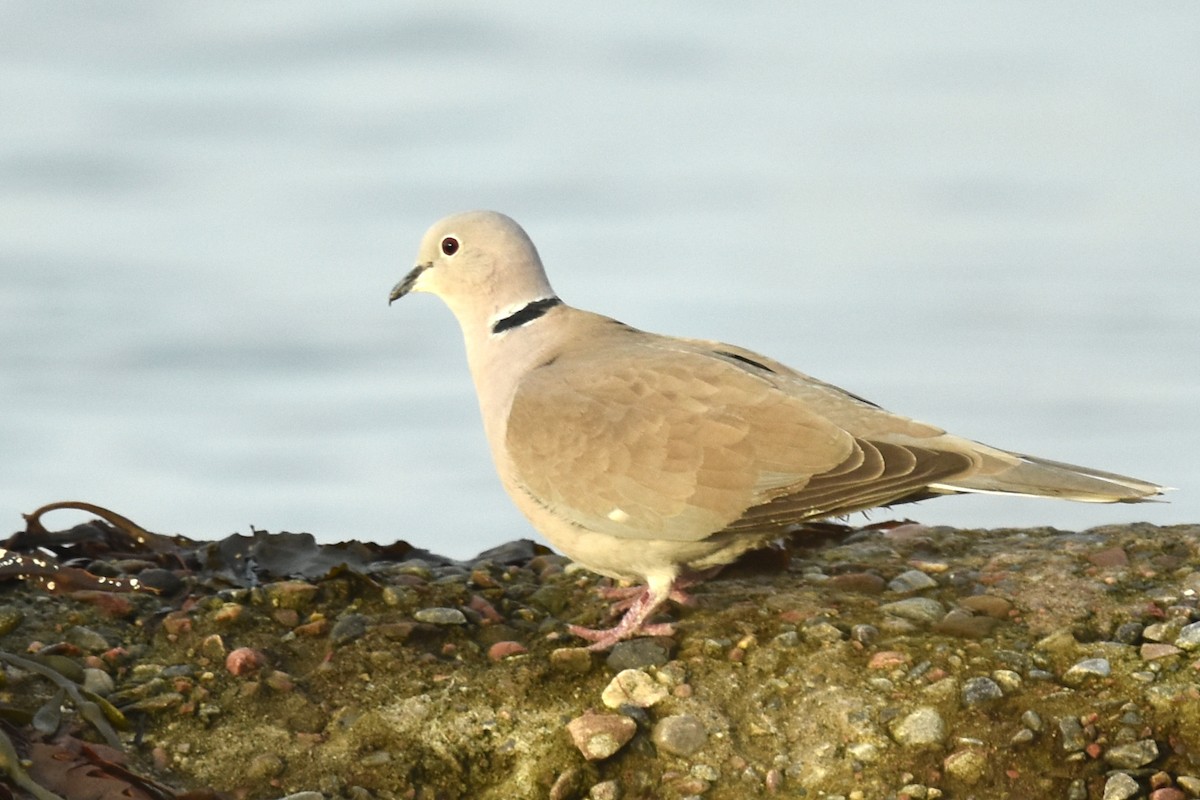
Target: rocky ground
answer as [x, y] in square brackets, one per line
[905, 662]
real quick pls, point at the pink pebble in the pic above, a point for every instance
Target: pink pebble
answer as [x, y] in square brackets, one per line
[502, 650]
[244, 661]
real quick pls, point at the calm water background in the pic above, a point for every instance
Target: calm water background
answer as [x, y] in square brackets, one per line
[987, 217]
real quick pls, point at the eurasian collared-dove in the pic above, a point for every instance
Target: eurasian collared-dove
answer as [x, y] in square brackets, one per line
[652, 459]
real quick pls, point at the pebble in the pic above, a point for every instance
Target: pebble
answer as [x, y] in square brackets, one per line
[633, 687]
[1167, 793]
[888, 659]
[599, 736]
[1120, 787]
[923, 726]
[294, 595]
[976, 691]
[1189, 637]
[97, 681]
[1190, 783]
[86, 639]
[864, 634]
[245, 661]
[968, 765]
[823, 632]
[680, 735]
[347, 629]
[1132, 755]
[648, 651]
[1086, 670]
[571, 659]
[1072, 734]
[987, 604]
[911, 581]
[1009, 681]
[917, 609]
[441, 616]
[1152, 651]
[1165, 631]
[10, 619]
[506, 649]
[962, 623]
[1128, 633]
[605, 790]
[1032, 720]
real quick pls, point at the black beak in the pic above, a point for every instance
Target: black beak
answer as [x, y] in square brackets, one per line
[405, 286]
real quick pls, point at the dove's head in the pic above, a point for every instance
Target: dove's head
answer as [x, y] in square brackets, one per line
[480, 263]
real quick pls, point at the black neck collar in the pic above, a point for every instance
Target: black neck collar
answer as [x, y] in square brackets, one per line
[525, 314]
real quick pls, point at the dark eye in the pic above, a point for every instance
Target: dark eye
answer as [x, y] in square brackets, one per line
[449, 245]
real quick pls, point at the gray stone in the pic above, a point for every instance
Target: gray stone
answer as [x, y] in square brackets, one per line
[1189, 783]
[917, 609]
[910, 582]
[1132, 755]
[97, 681]
[980, 690]
[1032, 720]
[1189, 637]
[605, 790]
[923, 726]
[347, 629]
[86, 639]
[1088, 669]
[1072, 734]
[441, 616]
[636, 653]
[1120, 787]
[680, 735]
[1128, 633]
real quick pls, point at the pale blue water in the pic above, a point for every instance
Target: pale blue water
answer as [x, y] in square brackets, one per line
[981, 216]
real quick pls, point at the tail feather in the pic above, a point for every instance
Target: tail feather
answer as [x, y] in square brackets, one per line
[1040, 477]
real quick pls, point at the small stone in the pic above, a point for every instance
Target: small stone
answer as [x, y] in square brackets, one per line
[823, 632]
[888, 659]
[598, 736]
[911, 581]
[867, 752]
[441, 616]
[1120, 787]
[245, 661]
[1132, 755]
[10, 619]
[924, 726]
[917, 609]
[1032, 720]
[648, 651]
[968, 766]
[962, 623]
[1128, 633]
[1190, 783]
[1109, 557]
[1165, 631]
[977, 691]
[86, 639]
[1189, 637]
[860, 582]
[605, 790]
[294, 595]
[1022, 737]
[265, 766]
[787, 639]
[1009, 681]
[633, 687]
[348, 628]
[1071, 733]
[680, 735]
[864, 634]
[987, 604]
[1167, 793]
[1088, 669]
[1061, 642]
[506, 649]
[1152, 651]
[97, 681]
[577, 660]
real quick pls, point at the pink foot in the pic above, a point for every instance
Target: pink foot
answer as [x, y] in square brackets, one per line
[639, 604]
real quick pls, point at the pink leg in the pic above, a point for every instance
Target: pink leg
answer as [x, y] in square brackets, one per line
[639, 604]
